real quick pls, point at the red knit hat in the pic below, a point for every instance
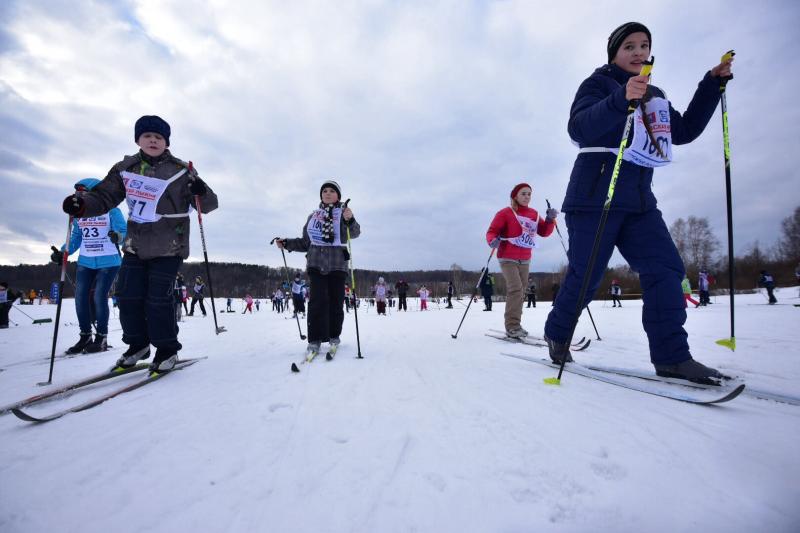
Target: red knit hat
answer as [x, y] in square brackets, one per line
[517, 188]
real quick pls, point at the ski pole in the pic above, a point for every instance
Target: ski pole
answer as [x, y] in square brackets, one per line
[353, 284]
[647, 66]
[730, 342]
[474, 293]
[561, 238]
[64, 257]
[198, 206]
[296, 316]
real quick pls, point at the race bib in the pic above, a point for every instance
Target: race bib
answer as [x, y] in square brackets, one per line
[641, 151]
[143, 193]
[315, 227]
[94, 236]
[528, 237]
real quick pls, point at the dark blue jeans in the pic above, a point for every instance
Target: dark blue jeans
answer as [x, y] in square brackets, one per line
[644, 241]
[87, 304]
[146, 302]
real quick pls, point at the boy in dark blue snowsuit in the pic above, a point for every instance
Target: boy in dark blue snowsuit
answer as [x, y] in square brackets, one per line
[635, 225]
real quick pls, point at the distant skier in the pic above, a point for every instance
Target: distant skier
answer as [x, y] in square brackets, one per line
[229, 303]
[487, 290]
[325, 242]
[198, 296]
[248, 301]
[98, 239]
[532, 295]
[380, 295]
[702, 287]
[450, 291]
[423, 294]
[402, 291]
[298, 296]
[258, 305]
[616, 293]
[686, 286]
[768, 283]
[513, 232]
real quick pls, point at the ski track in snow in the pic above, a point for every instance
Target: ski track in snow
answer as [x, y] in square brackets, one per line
[425, 433]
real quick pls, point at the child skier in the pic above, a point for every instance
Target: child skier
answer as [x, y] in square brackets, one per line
[634, 225]
[98, 240]
[298, 296]
[248, 301]
[686, 287]
[380, 296]
[198, 296]
[423, 293]
[616, 293]
[160, 190]
[325, 242]
[513, 232]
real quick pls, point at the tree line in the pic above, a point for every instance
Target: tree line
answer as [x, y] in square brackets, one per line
[696, 242]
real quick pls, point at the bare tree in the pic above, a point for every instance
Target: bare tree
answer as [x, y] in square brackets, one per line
[789, 244]
[457, 273]
[695, 241]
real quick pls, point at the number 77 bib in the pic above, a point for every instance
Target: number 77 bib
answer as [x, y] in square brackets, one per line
[143, 193]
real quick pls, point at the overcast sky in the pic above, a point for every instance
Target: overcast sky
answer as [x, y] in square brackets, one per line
[426, 113]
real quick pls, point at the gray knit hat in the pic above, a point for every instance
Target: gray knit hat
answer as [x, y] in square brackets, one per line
[618, 36]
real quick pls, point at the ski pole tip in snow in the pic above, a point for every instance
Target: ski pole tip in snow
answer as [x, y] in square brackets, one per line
[552, 381]
[728, 343]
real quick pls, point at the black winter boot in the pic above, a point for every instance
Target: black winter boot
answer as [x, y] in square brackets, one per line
[83, 342]
[98, 344]
[691, 370]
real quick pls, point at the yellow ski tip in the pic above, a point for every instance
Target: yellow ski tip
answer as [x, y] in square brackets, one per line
[552, 381]
[728, 343]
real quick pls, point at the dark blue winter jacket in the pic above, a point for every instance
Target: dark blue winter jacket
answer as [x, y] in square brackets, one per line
[597, 119]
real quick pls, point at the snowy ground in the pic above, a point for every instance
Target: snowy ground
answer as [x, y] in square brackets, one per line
[426, 433]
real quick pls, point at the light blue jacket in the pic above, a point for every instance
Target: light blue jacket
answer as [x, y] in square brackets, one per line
[118, 224]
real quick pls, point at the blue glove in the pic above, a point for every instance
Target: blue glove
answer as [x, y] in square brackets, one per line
[495, 242]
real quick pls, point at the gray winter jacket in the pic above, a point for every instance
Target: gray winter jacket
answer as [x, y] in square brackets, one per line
[167, 237]
[326, 259]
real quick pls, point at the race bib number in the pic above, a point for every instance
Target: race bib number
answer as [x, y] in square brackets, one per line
[94, 236]
[316, 223]
[641, 150]
[528, 237]
[143, 193]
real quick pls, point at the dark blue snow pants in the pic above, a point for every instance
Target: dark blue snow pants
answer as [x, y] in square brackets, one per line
[644, 241]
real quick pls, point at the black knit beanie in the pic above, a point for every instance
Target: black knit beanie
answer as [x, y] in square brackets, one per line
[333, 185]
[151, 123]
[619, 35]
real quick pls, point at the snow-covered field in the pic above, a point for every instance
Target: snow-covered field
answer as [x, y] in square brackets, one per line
[425, 433]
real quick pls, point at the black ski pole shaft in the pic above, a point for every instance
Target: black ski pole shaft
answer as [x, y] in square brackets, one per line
[647, 66]
[561, 238]
[286, 265]
[353, 285]
[729, 343]
[474, 293]
[23, 312]
[198, 206]
[64, 257]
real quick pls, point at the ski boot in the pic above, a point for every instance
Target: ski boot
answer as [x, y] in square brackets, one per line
[97, 345]
[83, 342]
[691, 370]
[334, 346]
[163, 362]
[131, 356]
[516, 333]
[559, 351]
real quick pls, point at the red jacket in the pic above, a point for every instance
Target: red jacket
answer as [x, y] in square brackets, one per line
[506, 225]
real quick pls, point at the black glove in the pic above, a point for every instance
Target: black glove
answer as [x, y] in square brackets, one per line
[56, 256]
[74, 205]
[197, 187]
[114, 237]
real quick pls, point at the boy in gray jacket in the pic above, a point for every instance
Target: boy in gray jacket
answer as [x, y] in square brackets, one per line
[159, 189]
